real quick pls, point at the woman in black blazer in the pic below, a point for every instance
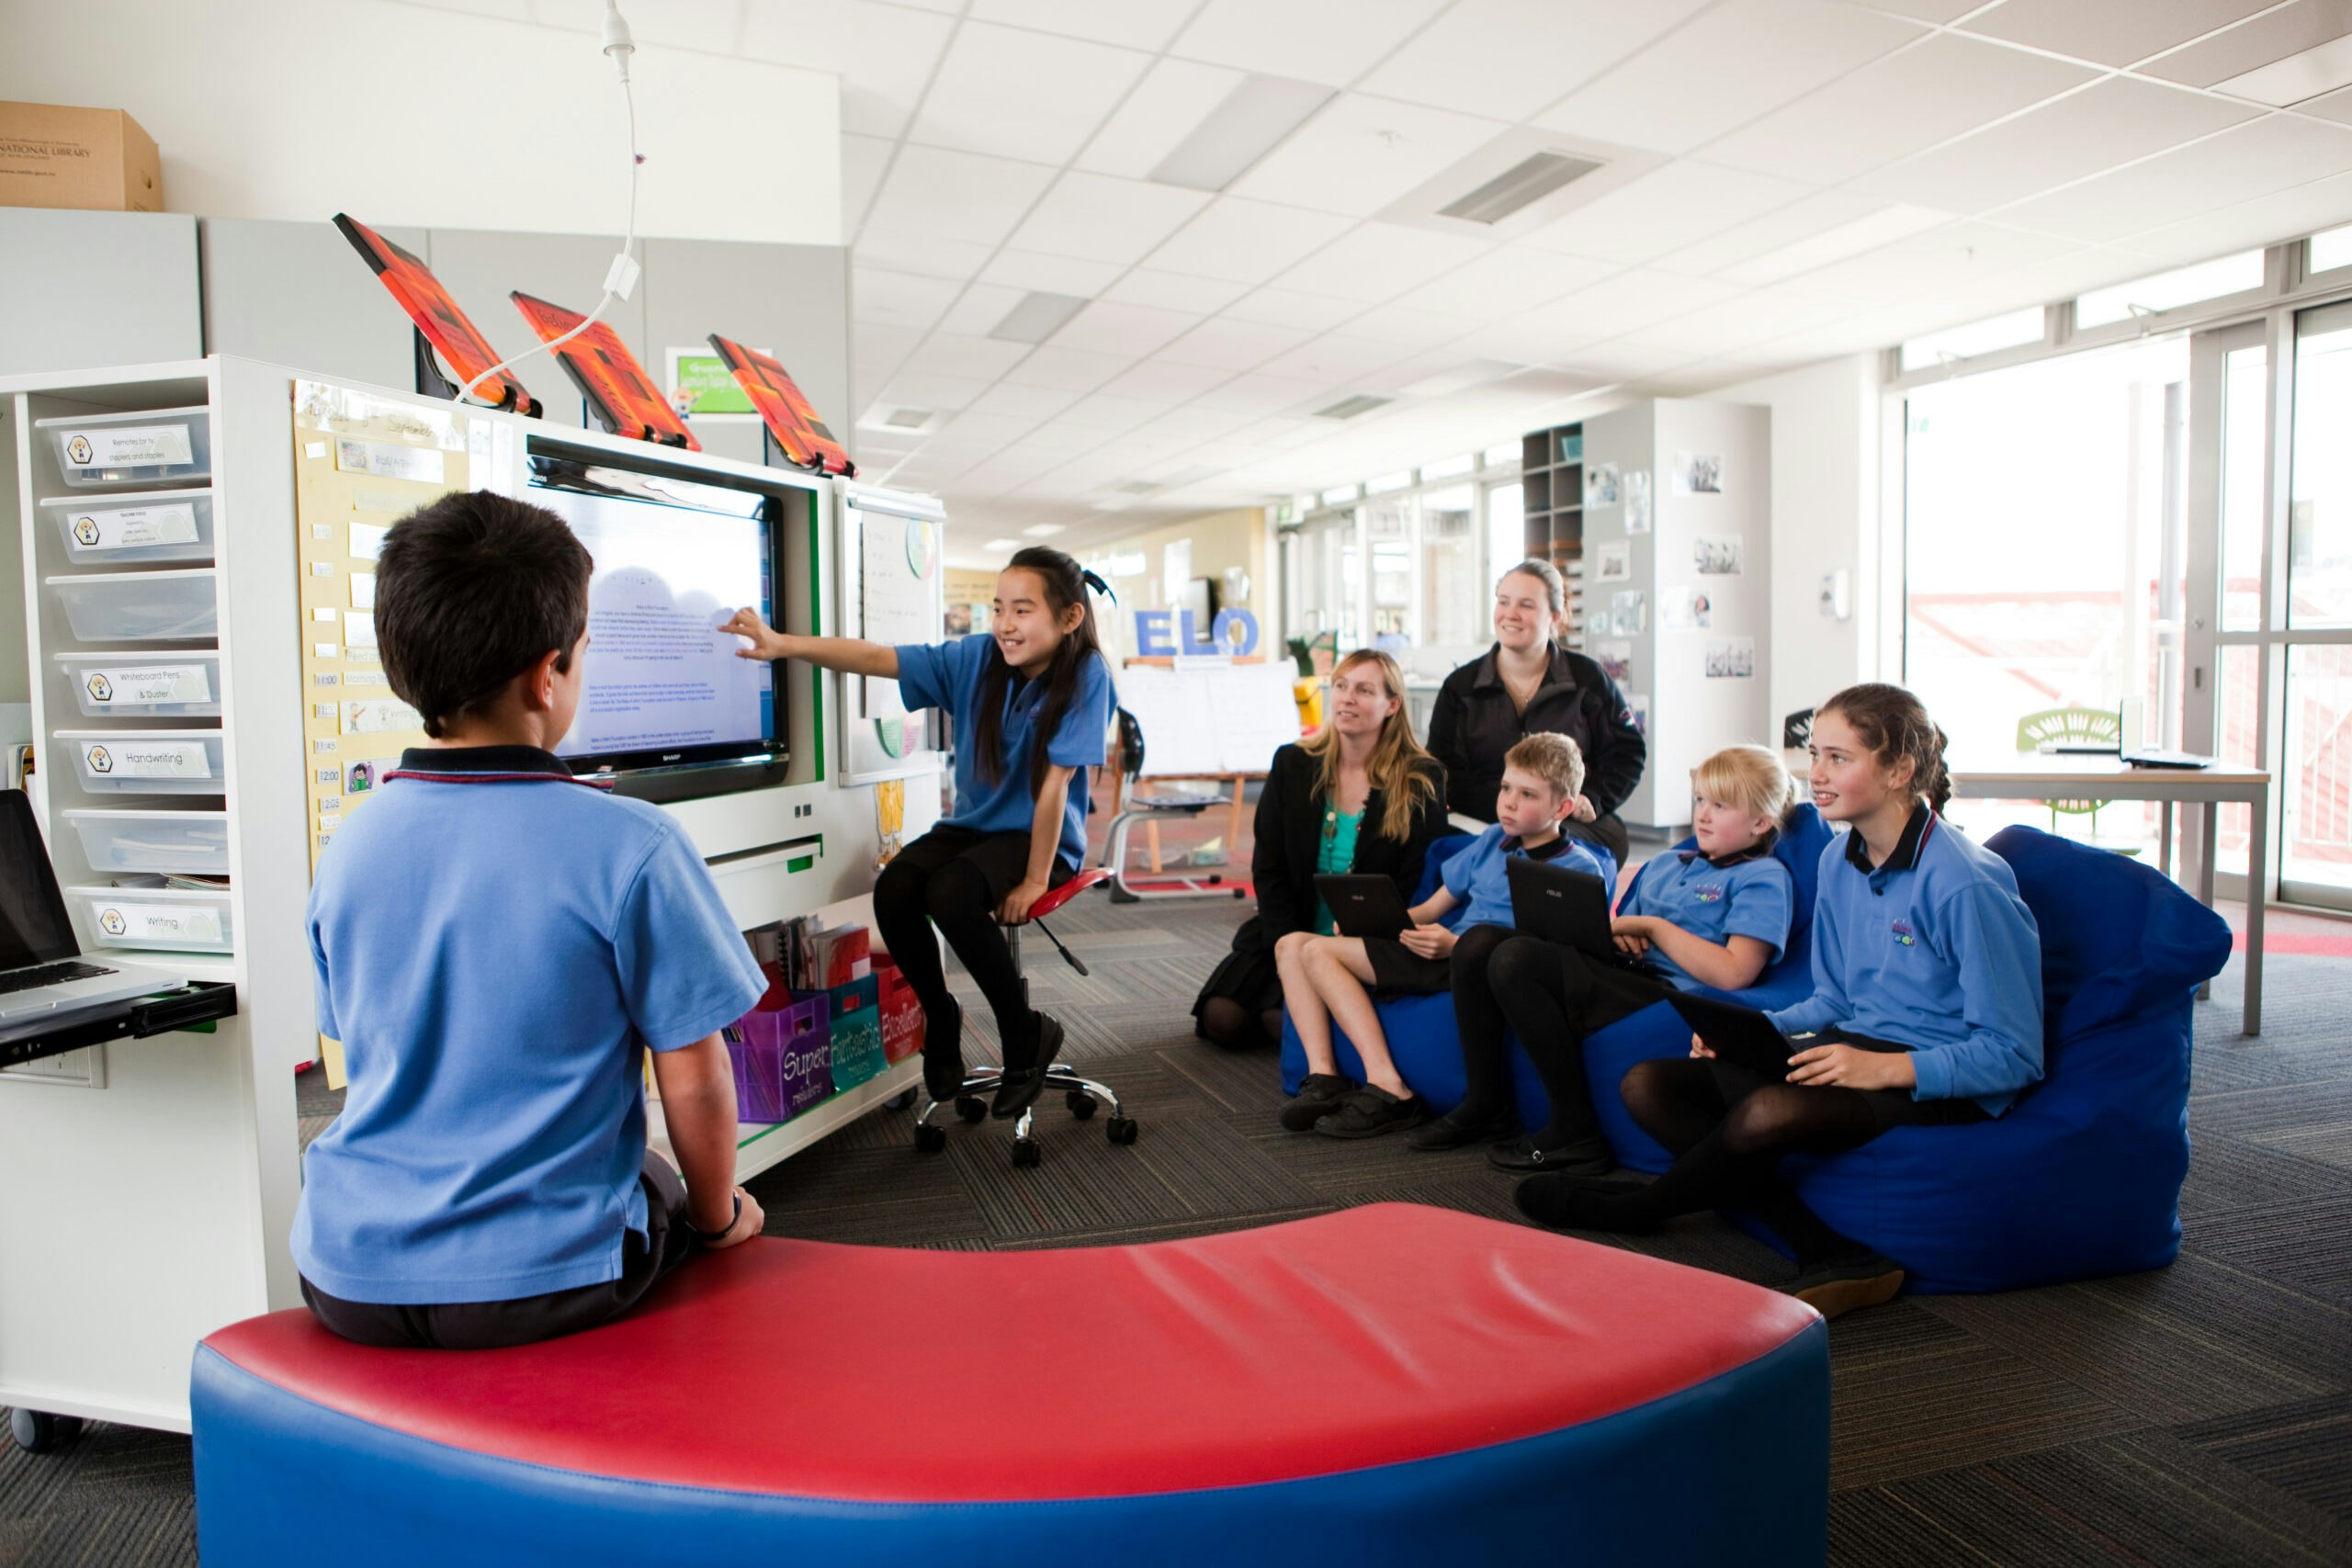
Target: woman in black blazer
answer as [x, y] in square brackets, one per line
[1318, 795]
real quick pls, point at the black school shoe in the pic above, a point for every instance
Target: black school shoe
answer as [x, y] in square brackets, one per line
[1868, 1280]
[1586, 1156]
[1318, 1096]
[943, 1058]
[1020, 1091]
[1453, 1131]
[1370, 1111]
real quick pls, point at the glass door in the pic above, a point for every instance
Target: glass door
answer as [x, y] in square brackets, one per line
[2315, 752]
[2224, 629]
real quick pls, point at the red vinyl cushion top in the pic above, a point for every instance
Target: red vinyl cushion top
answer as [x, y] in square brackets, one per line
[1375, 1335]
[1078, 883]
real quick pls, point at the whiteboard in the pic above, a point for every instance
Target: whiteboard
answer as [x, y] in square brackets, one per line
[893, 590]
[1203, 720]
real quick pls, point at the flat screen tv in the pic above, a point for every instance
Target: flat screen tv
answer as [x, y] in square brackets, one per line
[675, 556]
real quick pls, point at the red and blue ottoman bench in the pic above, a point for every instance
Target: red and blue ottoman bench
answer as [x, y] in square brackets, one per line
[1388, 1384]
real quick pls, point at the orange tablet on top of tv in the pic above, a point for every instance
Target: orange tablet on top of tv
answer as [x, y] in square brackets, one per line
[448, 331]
[626, 399]
[805, 440]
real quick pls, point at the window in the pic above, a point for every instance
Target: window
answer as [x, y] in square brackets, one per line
[1401, 479]
[2330, 250]
[1502, 456]
[1340, 496]
[1451, 468]
[2170, 290]
[2319, 517]
[2011, 331]
[1454, 581]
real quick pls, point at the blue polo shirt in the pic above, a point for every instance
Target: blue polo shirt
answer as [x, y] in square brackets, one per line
[1751, 895]
[1933, 950]
[946, 675]
[1477, 874]
[494, 942]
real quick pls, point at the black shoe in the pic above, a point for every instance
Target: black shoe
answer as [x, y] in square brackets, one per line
[1454, 1130]
[1020, 1091]
[1578, 1204]
[1866, 1281]
[943, 1058]
[1317, 1097]
[1586, 1156]
[1370, 1111]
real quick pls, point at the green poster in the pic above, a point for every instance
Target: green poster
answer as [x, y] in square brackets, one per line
[707, 379]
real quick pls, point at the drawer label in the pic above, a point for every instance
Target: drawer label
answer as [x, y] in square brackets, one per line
[135, 527]
[144, 686]
[128, 446]
[160, 922]
[146, 759]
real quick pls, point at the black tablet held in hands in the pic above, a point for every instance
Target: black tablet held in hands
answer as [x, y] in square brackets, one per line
[1364, 906]
[1738, 1034]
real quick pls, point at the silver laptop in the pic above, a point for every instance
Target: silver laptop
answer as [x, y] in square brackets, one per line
[44, 980]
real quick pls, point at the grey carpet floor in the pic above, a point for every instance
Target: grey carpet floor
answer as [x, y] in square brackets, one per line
[2200, 1415]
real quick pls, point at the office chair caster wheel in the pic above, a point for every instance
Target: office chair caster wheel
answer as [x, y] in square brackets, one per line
[1121, 1129]
[929, 1140]
[38, 1432]
[901, 1099]
[970, 1107]
[1082, 1104]
[1026, 1152]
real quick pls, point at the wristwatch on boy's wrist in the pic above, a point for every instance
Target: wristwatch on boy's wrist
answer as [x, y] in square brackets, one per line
[707, 1237]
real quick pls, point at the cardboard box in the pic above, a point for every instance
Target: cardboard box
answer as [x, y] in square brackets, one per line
[51, 155]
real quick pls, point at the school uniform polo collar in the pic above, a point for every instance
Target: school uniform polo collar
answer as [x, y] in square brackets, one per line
[1757, 851]
[1557, 847]
[1490, 673]
[1906, 848]
[483, 764]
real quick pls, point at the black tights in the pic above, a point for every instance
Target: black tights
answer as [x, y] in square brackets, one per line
[955, 878]
[1226, 1022]
[1551, 996]
[1728, 1127]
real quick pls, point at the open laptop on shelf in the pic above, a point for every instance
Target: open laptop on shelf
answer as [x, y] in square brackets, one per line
[45, 982]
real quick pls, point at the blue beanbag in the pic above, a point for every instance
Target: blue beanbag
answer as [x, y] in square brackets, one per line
[2082, 1177]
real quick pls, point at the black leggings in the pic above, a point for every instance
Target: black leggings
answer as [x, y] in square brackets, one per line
[955, 878]
[1551, 996]
[1224, 1021]
[1728, 1127]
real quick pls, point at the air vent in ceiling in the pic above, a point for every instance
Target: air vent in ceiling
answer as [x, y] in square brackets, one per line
[1139, 487]
[907, 418]
[1528, 180]
[1348, 408]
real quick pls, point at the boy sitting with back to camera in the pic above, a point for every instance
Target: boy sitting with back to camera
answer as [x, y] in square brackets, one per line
[1323, 977]
[496, 946]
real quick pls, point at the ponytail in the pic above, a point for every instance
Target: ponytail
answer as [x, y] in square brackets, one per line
[1066, 585]
[1894, 724]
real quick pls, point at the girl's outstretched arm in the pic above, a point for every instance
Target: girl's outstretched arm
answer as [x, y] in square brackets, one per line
[851, 655]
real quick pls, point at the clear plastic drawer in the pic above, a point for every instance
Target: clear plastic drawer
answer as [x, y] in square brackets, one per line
[134, 684]
[192, 843]
[151, 447]
[148, 761]
[134, 528]
[141, 606]
[171, 920]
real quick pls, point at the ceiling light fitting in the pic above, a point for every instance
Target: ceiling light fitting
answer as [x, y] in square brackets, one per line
[1257, 117]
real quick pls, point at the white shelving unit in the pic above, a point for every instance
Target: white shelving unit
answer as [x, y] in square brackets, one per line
[153, 1182]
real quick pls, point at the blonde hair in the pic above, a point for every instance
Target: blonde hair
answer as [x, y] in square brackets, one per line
[1748, 777]
[1552, 757]
[1405, 774]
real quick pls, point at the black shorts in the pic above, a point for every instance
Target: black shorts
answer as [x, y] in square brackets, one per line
[646, 1261]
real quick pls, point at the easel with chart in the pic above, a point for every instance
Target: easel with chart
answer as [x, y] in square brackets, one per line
[893, 590]
[1199, 719]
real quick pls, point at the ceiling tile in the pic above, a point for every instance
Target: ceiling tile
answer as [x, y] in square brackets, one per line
[1723, 69]
[1358, 154]
[862, 160]
[1666, 210]
[1801, 221]
[1110, 411]
[1014, 93]
[1245, 242]
[1928, 10]
[1731, 326]
[2112, 32]
[957, 196]
[1623, 304]
[818, 34]
[1175, 290]
[926, 255]
[1228, 345]
[1138, 24]
[1411, 329]
[2266, 220]
[1108, 327]
[1506, 281]
[981, 308]
[2290, 29]
[1067, 369]
[1380, 261]
[1050, 275]
[1335, 358]
[1257, 394]
[2108, 123]
[899, 299]
[983, 358]
[1331, 41]
[914, 390]
[1895, 106]
[2337, 106]
[1173, 98]
[894, 52]
[1023, 402]
[1509, 58]
[1096, 218]
[1285, 307]
[2240, 163]
[1164, 381]
[712, 25]
[1956, 256]
[1620, 361]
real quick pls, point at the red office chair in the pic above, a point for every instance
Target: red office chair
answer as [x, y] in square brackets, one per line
[1081, 1094]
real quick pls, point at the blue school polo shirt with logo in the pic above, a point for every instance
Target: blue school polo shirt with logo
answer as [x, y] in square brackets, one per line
[1752, 897]
[947, 675]
[1476, 874]
[494, 943]
[1933, 950]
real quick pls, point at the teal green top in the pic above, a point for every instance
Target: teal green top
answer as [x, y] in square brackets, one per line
[1337, 856]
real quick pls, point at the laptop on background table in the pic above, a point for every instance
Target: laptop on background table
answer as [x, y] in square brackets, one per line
[45, 982]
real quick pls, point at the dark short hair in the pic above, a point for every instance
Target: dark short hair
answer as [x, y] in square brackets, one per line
[471, 592]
